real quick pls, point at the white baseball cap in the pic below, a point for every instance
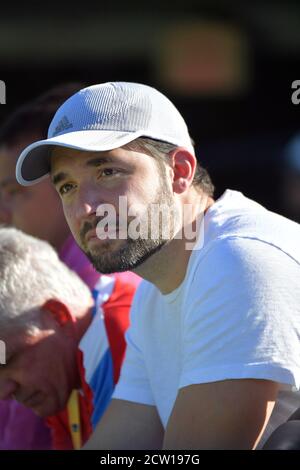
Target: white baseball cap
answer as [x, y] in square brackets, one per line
[104, 117]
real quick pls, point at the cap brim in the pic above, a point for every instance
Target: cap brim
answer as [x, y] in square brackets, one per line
[33, 164]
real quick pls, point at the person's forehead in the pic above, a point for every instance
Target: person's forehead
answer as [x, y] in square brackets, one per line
[67, 159]
[13, 149]
[8, 159]
[9, 154]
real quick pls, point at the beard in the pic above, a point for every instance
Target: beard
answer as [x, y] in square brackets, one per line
[126, 258]
[133, 252]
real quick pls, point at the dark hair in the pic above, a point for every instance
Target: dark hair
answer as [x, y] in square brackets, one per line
[160, 151]
[33, 118]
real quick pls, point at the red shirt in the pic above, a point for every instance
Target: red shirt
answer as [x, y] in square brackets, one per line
[113, 300]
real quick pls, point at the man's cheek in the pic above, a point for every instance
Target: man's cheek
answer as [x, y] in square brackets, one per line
[70, 219]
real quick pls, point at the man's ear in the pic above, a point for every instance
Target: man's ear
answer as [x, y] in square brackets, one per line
[184, 166]
[59, 311]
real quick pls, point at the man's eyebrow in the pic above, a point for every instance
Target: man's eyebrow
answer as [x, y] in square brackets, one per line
[7, 181]
[59, 177]
[96, 161]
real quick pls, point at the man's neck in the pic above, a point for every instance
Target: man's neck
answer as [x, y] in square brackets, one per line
[167, 268]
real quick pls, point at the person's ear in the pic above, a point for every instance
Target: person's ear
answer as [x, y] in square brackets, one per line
[59, 311]
[184, 166]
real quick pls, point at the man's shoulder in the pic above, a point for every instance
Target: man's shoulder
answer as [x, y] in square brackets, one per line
[236, 270]
[243, 244]
[242, 251]
[238, 218]
[235, 215]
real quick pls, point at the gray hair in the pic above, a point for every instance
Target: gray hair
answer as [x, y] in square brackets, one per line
[31, 273]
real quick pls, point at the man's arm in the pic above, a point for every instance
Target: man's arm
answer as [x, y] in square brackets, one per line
[127, 425]
[230, 414]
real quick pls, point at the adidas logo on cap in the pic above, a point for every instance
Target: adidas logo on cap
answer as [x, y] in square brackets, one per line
[63, 125]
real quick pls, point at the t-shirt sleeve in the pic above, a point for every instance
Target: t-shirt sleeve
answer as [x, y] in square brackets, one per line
[134, 384]
[243, 315]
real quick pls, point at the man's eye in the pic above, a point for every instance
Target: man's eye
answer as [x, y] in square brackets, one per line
[14, 190]
[108, 172]
[11, 191]
[65, 188]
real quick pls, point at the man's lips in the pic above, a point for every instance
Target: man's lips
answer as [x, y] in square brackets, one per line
[34, 400]
[91, 234]
[103, 234]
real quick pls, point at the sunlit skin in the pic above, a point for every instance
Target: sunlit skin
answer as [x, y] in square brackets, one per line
[35, 210]
[85, 180]
[94, 179]
[41, 369]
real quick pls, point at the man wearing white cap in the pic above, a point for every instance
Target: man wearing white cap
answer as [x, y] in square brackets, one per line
[215, 327]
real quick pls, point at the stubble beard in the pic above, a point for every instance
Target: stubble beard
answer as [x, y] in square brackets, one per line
[132, 253]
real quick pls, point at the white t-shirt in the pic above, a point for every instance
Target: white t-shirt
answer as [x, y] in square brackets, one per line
[235, 315]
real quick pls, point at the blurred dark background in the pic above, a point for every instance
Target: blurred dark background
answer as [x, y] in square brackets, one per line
[227, 65]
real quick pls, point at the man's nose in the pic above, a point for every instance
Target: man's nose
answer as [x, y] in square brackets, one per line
[7, 388]
[87, 202]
